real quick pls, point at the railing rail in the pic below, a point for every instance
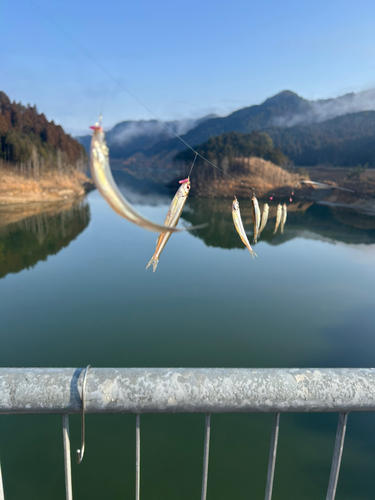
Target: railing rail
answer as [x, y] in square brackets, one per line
[188, 390]
[185, 390]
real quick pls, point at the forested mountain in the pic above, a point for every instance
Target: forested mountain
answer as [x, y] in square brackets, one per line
[331, 131]
[345, 140]
[29, 140]
[229, 146]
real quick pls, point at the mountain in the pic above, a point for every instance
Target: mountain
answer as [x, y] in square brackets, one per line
[345, 141]
[336, 131]
[129, 137]
[29, 140]
[285, 109]
[342, 141]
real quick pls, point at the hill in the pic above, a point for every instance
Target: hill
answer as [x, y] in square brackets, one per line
[332, 131]
[345, 140]
[32, 143]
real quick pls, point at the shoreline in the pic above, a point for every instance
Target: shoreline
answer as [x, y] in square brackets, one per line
[16, 189]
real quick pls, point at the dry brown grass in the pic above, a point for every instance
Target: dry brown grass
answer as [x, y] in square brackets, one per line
[16, 188]
[255, 174]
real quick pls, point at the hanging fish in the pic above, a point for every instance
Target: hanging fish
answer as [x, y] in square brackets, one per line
[283, 218]
[236, 214]
[171, 220]
[102, 176]
[266, 209]
[278, 217]
[256, 218]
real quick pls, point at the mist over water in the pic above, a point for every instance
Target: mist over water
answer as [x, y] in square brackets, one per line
[306, 301]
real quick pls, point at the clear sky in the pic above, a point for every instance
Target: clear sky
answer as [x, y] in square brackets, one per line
[183, 59]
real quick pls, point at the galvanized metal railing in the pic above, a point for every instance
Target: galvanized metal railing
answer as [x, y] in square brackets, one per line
[184, 390]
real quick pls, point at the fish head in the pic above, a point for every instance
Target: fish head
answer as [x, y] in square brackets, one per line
[266, 207]
[184, 188]
[235, 204]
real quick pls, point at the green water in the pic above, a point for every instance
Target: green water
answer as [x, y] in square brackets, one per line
[74, 291]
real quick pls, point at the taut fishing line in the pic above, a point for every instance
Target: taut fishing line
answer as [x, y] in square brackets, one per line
[191, 169]
[120, 84]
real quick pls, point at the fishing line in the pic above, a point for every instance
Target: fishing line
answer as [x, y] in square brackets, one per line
[192, 165]
[120, 84]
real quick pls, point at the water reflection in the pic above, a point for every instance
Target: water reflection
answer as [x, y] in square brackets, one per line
[29, 234]
[306, 219]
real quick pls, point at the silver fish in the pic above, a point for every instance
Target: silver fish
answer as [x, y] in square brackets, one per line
[256, 218]
[236, 214]
[283, 218]
[266, 209]
[278, 217]
[102, 176]
[171, 220]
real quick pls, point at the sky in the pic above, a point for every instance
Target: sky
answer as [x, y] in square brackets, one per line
[181, 59]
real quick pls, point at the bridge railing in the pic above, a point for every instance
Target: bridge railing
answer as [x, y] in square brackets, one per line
[188, 390]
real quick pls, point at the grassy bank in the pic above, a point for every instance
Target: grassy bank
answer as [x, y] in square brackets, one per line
[52, 186]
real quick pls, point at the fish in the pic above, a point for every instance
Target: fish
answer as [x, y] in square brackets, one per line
[266, 209]
[278, 217]
[106, 185]
[171, 220]
[236, 214]
[283, 218]
[256, 218]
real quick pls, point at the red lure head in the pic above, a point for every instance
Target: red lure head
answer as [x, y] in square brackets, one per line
[184, 180]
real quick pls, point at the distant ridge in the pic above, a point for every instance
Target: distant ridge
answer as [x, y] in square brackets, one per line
[337, 131]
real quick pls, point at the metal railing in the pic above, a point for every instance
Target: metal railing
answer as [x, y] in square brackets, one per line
[183, 390]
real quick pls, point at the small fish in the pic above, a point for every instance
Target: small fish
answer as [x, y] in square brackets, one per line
[283, 218]
[266, 209]
[171, 220]
[102, 176]
[278, 217]
[236, 214]
[256, 218]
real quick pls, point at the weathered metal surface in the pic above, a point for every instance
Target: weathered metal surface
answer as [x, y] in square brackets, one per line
[272, 457]
[186, 390]
[206, 456]
[337, 455]
[67, 458]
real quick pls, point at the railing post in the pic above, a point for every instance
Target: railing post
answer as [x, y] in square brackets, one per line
[206, 456]
[272, 457]
[1, 486]
[67, 458]
[138, 457]
[337, 455]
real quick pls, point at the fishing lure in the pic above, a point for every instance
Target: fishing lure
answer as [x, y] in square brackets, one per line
[102, 176]
[236, 214]
[171, 220]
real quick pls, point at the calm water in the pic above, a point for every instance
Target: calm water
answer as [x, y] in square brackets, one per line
[74, 291]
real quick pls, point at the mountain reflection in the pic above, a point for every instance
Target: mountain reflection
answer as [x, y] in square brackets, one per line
[32, 233]
[305, 220]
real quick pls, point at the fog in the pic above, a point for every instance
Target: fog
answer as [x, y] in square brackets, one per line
[327, 109]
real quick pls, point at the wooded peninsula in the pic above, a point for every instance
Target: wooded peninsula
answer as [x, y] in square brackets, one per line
[38, 160]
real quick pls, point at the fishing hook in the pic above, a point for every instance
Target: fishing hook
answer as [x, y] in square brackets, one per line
[81, 451]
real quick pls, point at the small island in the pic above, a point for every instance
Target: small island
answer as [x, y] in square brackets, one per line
[39, 162]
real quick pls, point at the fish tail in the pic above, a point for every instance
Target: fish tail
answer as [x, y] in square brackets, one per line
[154, 263]
[253, 254]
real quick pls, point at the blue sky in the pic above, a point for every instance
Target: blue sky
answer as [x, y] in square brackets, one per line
[183, 59]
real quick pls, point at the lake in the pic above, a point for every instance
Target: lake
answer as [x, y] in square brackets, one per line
[74, 291]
